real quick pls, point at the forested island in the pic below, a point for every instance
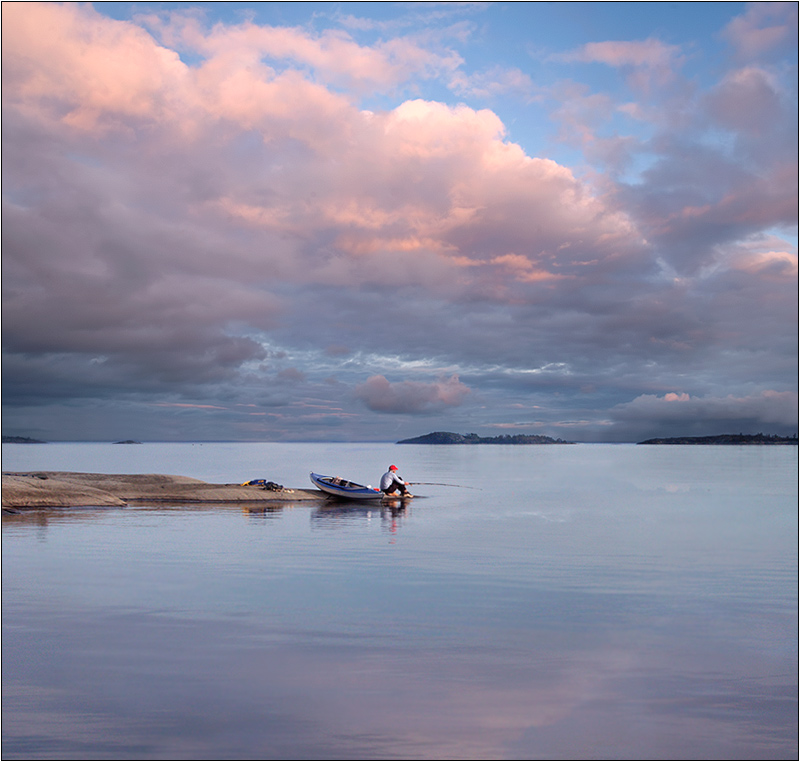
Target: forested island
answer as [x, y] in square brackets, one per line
[724, 439]
[449, 438]
[21, 440]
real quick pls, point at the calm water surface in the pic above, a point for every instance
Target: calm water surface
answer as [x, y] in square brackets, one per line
[575, 602]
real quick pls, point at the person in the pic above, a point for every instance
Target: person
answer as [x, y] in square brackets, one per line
[391, 482]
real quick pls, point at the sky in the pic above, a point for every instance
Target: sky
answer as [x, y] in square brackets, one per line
[369, 221]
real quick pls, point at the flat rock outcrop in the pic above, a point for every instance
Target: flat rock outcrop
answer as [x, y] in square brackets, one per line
[29, 491]
[64, 489]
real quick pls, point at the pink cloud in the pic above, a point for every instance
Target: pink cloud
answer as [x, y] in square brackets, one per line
[747, 100]
[85, 68]
[383, 396]
[766, 257]
[424, 183]
[523, 269]
[649, 53]
[767, 200]
[428, 184]
[649, 62]
[763, 30]
[103, 72]
[333, 55]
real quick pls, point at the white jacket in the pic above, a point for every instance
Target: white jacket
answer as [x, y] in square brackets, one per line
[389, 478]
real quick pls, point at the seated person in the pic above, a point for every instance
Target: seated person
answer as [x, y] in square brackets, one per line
[391, 483]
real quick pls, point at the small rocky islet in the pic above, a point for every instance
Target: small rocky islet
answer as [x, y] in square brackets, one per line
[449, 438]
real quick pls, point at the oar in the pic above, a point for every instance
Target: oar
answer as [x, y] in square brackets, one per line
[440, 484]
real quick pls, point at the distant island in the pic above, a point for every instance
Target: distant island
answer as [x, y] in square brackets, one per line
[449, 438]
[21, 440]
[725, 439]
[128, 441]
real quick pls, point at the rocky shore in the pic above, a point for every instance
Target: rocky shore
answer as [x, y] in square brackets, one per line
[63, 489]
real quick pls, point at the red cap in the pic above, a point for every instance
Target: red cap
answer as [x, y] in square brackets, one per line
[393, 468]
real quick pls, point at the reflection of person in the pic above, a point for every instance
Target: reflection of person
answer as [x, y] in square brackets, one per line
[391, 482]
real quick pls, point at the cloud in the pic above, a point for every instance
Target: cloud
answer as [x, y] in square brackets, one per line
[722, 415]
[765, 30]
[650, 53]
[765, 258]
[413, 397]
[720, 166]
[333, 55]
[243, 213]
[494, 81]
[649, 62]
[291, 375]
[340, 196]
[69, 62]
[747, 100]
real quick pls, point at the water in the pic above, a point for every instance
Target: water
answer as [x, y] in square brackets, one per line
[577, 602]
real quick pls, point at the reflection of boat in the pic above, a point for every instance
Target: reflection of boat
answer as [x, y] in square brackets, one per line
[338, 487]
[336, 514]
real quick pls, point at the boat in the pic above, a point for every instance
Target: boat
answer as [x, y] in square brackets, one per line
[343, 488]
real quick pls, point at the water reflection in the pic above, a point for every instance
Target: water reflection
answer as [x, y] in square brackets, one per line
[14, 517]
[263, 511]
[343, 515]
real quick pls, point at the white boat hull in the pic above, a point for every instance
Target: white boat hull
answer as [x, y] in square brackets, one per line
[345, 489]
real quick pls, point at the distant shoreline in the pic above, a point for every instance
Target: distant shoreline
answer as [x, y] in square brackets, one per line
[449, 438]
[724, 439]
